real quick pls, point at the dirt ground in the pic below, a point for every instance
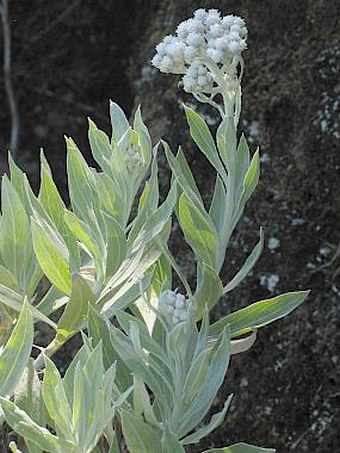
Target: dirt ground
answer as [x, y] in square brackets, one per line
[69, 58]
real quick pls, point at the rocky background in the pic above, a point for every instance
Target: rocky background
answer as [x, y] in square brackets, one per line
[70, 57]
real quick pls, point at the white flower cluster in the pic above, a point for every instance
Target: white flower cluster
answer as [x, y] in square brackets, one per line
[199, 42]
[174, 305]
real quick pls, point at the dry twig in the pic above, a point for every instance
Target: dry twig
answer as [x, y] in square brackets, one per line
[7, 68]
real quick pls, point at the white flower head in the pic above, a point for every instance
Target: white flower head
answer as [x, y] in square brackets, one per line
[207, 40]
[174, 306]
[197, 79]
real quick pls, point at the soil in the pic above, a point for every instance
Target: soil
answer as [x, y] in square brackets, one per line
[69, 58]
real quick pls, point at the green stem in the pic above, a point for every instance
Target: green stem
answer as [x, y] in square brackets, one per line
[49, 351]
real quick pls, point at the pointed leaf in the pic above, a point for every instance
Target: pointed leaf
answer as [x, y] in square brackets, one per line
[13, 300]
[203, 138]
[118, 121]
[15, 237]
[140, 436]
[100, 147]
[247, 266]
[241, 448]
[217, 206]
[56, 401]
[52, 254]
[75, 313]
[259, 313]
[209, 289]
[198, 230]
[16, 353]
[23, 425]
[100, 331]
[214, 423]
[28, 396]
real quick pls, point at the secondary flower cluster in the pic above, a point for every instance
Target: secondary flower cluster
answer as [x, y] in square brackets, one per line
[174, 305]
[201, 43]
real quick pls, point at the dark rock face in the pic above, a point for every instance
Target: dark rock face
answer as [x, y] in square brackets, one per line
[286, 389]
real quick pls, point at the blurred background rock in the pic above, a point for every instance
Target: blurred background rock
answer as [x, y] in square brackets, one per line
[70, 57]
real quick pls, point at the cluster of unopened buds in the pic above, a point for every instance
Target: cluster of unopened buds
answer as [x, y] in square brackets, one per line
[206, 49]
[174, 305]
[133, 158]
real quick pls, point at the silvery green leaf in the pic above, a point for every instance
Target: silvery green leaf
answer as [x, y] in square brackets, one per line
[118, 121]
[13, 300]
[241, 448]
[148, 311]
[148, 202]
[214, 423]
[156, 222]
[162, 275]
[180, 346]
[141, 402]
[145, 144]
[196, 376]
[250, 182]
[7, 279]
[54, 207]
[140, 257]
[23, 425]
[100, 331]
[259, 313]
[75, 312]
[52, 254]
[170, 444]
[217, 205]
[140, 436]
[82, 184]
[202, 336]
[182, 172]
[15, 237]
[52, 301]
[114, 197]
[56, 401]
[79, 359]
[100, 147]
[209, 289]
[14, 356]
[28, 397]
[219, 362]
[242, 162]
[20, 182]
[199, 231]
[247, 266]
[130, 291]
[112, 441]
[98, 403]
[144, 369]
[49, 196]
[226, 143]
[80, 405]
[125, 321]
[126, 269]
[144, 137]
[91, 239]
[204, 140]
[90, 390]
[243, 344]
[116, 245]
